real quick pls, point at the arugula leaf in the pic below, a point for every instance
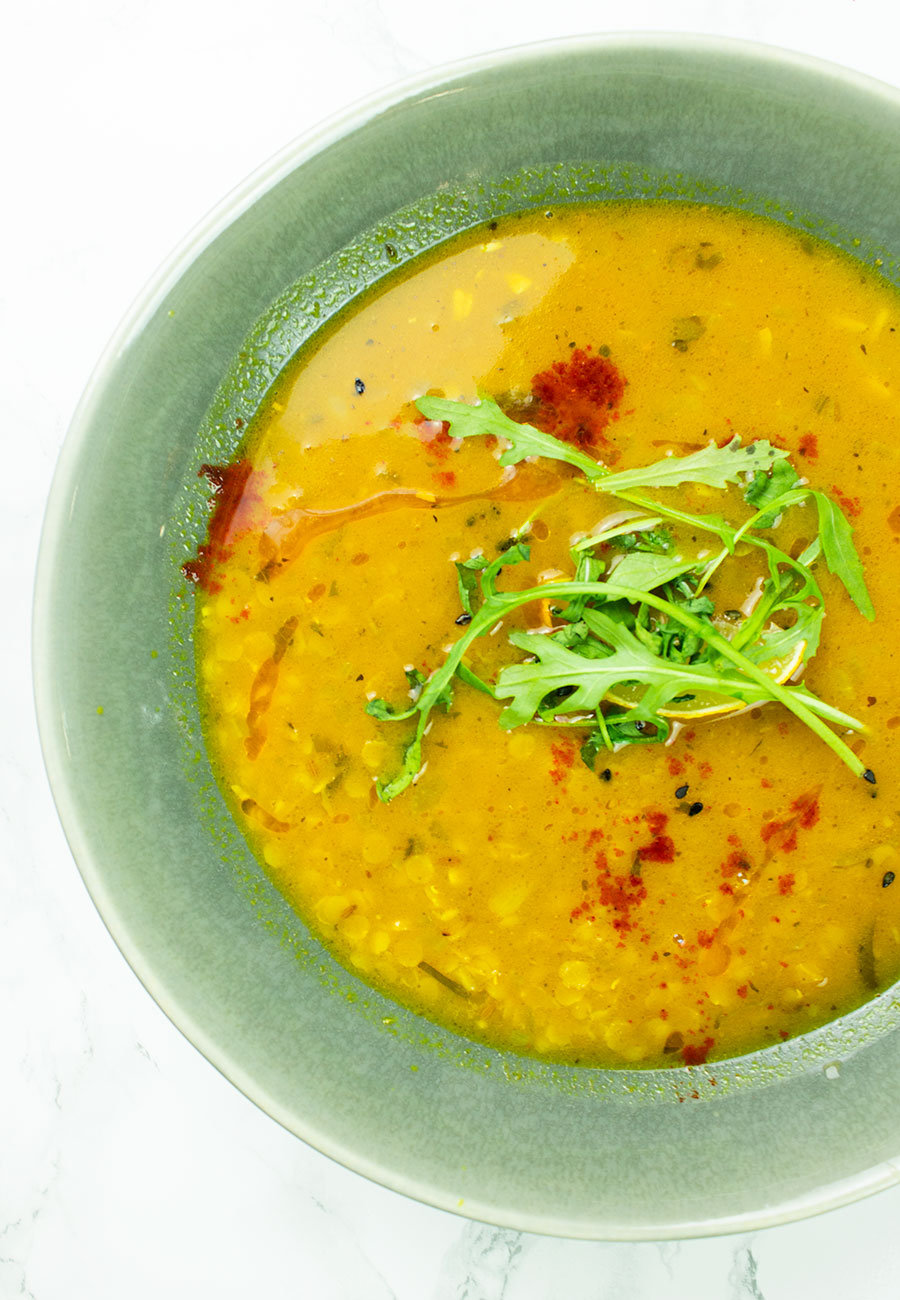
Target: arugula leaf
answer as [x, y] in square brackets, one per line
[767, 485]
[840, 553]
[643, 637]
[588, 679]
[648, 570]
[636, 533]
[657, 540]
[625, 729]
[465, 674]
[778, 643]
[486, 417]
[444, 697]
[416, 679]
[417, 682]
[596, 741]
[675, 641]
[587, 568]
[385, 712]
[467, 572]
[712, 466]
[557, 667]
[412, 765]
[802, 612]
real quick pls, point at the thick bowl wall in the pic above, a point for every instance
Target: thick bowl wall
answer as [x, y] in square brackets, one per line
[583, 1153]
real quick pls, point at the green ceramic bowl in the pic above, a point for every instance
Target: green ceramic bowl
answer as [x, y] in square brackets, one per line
[579, 1152]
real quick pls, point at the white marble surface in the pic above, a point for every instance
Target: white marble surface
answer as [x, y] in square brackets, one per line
[128, 1166]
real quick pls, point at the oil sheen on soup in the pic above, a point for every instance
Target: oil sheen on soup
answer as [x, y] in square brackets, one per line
[676, 869]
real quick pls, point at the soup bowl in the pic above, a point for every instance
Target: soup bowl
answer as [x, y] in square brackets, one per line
[583, 1152]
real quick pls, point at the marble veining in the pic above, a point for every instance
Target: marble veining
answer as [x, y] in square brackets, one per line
[484, 1262]
[744, 1276]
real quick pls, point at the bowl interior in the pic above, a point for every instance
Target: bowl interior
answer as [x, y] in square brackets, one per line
[580, 1152]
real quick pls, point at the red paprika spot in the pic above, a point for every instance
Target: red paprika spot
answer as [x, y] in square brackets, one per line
[434, 434]
[734, 865]
[232, 502]
[696, 1054]
[808, 808]
[576, 398]
[849, 505]
[660, 849]
[563, 757]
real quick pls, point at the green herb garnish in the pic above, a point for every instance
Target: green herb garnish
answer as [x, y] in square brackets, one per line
[639, 644]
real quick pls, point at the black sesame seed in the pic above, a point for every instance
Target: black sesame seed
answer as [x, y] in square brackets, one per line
[359, 386]
[463, 620]
[869, 776]
[887, 879]
[695, 808]
[681, 791]
[606, 775]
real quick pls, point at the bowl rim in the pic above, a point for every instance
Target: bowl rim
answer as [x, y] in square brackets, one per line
[306, 145]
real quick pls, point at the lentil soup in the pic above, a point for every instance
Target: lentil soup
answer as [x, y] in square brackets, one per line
[644, 903]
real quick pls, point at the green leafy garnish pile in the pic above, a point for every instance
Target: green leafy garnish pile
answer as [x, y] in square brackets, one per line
[636, 642]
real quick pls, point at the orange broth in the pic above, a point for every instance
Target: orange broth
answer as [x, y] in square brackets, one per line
[513, 894]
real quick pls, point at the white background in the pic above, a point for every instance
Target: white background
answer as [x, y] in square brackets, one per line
[129, 1169]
